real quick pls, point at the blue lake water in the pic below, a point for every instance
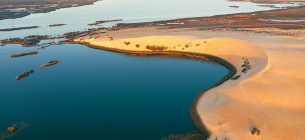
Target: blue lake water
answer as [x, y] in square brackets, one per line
[130, 11]
[96, 94]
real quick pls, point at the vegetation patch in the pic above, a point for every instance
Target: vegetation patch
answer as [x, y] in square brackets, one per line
[28, 41]
[23, 54]
[50, 63]
[11, 9]
[246, 66]
[190, 136]
[23, 75]
[10, 131]
[236, 77]
[255, 131]
[156, 48]
[96, 23]
[13, 129]
[54, 25]
[19, 28]
[126, 43]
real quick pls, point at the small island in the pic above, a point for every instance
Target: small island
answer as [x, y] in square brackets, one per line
[54, 25]
[19, 28]
[24, 54]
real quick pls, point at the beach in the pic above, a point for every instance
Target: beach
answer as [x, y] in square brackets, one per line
[120, 69]
[267, 95]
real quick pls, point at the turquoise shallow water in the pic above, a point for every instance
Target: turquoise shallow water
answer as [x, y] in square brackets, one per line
[96, 94]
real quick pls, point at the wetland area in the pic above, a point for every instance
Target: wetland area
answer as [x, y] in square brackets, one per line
[119, 69]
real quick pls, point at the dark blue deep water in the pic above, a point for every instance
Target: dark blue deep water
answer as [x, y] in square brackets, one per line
[101, 95]
[97, 94]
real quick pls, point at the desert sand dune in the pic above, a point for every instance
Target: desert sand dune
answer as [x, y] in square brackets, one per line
[270, 96]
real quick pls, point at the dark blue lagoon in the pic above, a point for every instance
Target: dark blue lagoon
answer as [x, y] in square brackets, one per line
[97, 94]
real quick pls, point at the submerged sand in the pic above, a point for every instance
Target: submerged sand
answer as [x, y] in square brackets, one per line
[269, 96]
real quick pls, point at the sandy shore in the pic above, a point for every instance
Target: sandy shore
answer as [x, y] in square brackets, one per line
[269, 96]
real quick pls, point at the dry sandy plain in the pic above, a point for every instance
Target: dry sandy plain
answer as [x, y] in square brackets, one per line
[270, 96]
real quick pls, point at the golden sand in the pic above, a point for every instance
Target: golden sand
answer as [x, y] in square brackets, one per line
[270, 96]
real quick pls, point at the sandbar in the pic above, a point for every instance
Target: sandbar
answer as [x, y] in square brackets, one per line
[269, 96]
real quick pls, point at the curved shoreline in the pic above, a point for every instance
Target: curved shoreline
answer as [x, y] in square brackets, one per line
[216, 49]
[267, 96]
[198, 124]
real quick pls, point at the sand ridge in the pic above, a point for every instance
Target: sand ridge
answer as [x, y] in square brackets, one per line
[269, 96]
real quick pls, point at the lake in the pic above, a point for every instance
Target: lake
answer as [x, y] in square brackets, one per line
[130, 11]
[97, 94]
